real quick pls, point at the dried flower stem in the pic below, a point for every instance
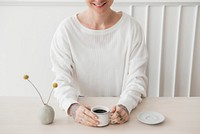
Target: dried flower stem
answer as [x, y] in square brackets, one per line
[49, 97]
[37, 91]
[55, 85]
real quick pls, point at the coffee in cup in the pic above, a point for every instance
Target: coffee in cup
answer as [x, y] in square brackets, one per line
[103, 114]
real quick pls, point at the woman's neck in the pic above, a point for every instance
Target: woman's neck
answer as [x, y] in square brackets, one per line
[97, 21]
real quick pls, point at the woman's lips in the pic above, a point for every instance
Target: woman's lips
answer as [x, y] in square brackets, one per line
[99, 5]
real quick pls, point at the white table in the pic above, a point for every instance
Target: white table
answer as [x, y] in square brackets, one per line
[18, 115]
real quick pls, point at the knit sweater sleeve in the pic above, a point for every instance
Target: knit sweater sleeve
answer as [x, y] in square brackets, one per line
[62, 63]
[135, 78]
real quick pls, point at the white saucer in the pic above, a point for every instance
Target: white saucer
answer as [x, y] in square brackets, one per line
[150, 118]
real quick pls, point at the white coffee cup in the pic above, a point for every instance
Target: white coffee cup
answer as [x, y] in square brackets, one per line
[103, 115]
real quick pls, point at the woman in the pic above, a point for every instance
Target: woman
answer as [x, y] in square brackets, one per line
[99, 52]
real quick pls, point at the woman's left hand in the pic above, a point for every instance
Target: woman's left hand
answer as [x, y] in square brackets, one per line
[119, 115]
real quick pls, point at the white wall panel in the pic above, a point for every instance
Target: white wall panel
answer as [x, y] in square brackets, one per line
[169, 52]
[154, 46]
[173, 64]
[185, 52]
[195, 84]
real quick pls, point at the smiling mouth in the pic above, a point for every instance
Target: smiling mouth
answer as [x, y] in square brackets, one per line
[99, 5]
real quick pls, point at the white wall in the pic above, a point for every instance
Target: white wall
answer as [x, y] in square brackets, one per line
[25, 37]
[26, 30]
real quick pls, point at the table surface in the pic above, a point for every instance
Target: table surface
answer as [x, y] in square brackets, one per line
[18, 115]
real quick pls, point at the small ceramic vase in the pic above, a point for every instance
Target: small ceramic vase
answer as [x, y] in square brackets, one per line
[46, 114]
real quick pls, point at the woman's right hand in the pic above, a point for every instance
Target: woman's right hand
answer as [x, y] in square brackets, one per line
[83, 115]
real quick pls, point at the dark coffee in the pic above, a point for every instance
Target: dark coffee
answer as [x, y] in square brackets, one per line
[100, 111]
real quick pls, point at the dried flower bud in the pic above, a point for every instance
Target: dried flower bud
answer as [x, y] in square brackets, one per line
[55, 85]
[26, 77]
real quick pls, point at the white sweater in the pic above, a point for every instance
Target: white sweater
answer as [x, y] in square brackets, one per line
[110, 62]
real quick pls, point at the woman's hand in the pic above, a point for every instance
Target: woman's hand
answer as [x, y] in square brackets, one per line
[83, 115]
[119, 115]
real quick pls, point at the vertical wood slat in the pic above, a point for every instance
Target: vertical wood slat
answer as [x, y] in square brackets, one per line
[146, 23]
[161, 48]
[176, 51]
[192, 50]
[131, 10]
[146, 33]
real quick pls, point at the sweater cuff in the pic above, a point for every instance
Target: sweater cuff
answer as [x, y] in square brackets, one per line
[130, 102]
[67, 103]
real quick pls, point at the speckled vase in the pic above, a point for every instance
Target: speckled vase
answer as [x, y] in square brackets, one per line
[46, 114]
